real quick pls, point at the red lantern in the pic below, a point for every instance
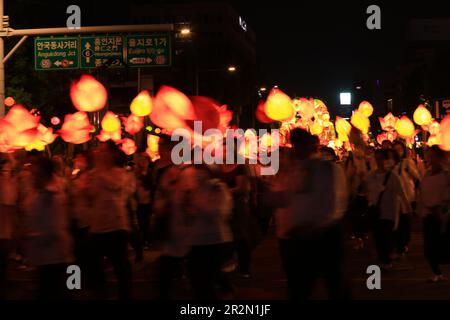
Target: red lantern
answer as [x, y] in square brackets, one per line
[261, 115]
[133, 124]
[9, 101]
[177, 102]
[88, 94]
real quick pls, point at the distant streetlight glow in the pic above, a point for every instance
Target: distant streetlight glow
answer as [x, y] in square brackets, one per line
[232, 68]
[185, 31]
[262, 89]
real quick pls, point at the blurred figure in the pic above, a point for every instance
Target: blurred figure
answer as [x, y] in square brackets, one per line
[433, 206]
[8, 211]
[246, 229]
[205, 205]
[81, 201]
[409, 177]
[327, 154]
[385, 195]
[143, 174]
[109, 223]
[386, 145]
[311, 198]
[48, 242]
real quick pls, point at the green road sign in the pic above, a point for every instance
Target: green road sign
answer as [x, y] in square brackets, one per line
[98, 50]
[148, 50]
[56, 53]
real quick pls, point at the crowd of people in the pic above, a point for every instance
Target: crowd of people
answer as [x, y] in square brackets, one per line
[206, 220]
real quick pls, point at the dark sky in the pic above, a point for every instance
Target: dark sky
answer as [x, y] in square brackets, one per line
[309, 48]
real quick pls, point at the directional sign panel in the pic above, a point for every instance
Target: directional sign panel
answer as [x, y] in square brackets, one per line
[56, 53]
[98, 50]
[148, 50]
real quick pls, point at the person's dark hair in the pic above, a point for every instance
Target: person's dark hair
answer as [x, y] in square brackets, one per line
[402, 144]
[303, 142]
[437, 151]
[87, 154]
[329, 151]
[394, 155]
[383, 153]
[386, 142]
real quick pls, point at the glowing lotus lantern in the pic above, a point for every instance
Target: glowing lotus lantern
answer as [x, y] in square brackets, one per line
[163, 117]
[434, 128]
[261, 115]
[316, 128]
[433, 140]
[142, 105]
[112, 135]
[133, 124]
[405, 127]
[128, 146]
[76, 128]
[21, 119]
[88, 94]
[279, 106]
[45, 134]
[422, 116]
[306, 108]
[388, 122]
[343, 127]
[444, 135]
[9, 101]
[110, 122]
[177, 102]
[366, 109]
[24, 138]
[152, 146]
[360, 121]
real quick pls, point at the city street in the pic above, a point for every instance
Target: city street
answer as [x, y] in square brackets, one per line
[407, 280]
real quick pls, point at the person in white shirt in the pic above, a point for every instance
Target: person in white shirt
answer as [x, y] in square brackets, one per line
[311, 196]
[409, 177]
[385, 194]
[433, 206]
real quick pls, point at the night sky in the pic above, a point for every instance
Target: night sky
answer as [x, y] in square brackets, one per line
[308, 48]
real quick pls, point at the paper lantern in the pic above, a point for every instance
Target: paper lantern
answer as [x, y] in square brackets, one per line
[305, 108]
[316, 128]
[128, 146]
[444, 135]
[24, 138]
[366, 108]
[177, 102]
[142, 105]
[422, 116]
[152, 146]
[261, 115]
[110, 122]
[405, 127]
[279, 106]
[433, 140]
[9, 101]
[55, 121]
[21, 119]
[115, 136]
[133, 124]
[163, 117]
[45, 134]
[88, 94]
[360, 121]
[206, 111]
[225, 117]
[434, 128]
[76, 128]
[343, 128]
[388, 122]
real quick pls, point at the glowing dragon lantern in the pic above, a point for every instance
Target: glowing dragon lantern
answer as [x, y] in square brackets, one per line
[366, 109]
[76, 128]
[405, 127]
[278, 106]
[142, 105]
[422, 116]
[444, 135]
[360, 121]
[388, 122]
[88, 94]
[133, 124]
[128, 146]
